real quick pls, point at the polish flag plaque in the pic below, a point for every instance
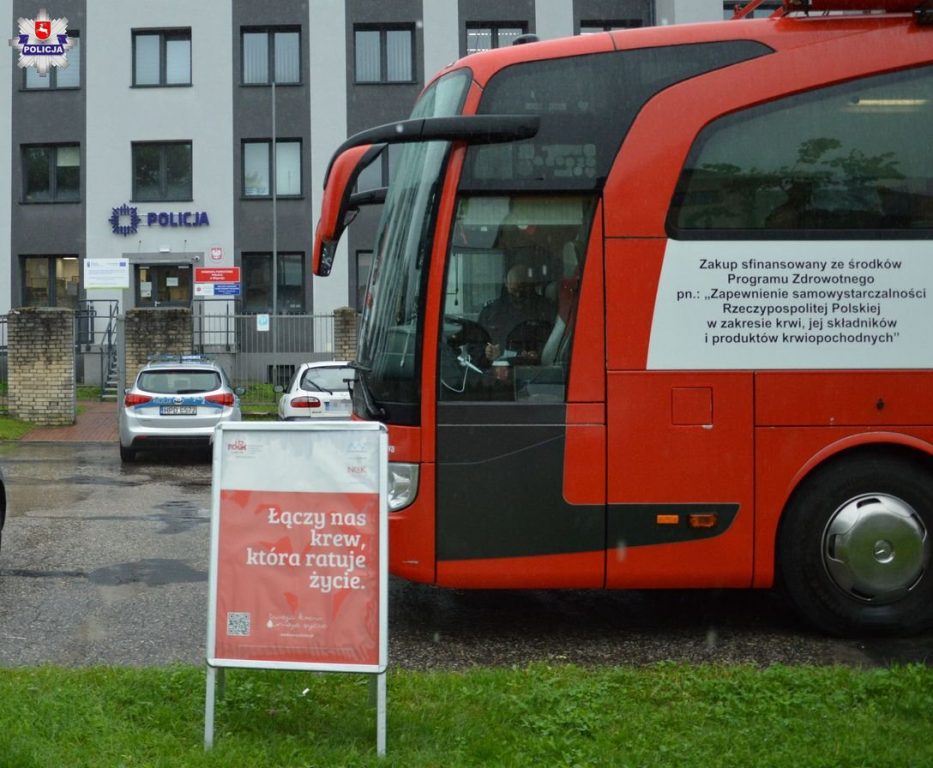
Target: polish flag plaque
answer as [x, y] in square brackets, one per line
[299, 576]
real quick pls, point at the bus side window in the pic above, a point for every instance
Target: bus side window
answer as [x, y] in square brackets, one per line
[845, 157]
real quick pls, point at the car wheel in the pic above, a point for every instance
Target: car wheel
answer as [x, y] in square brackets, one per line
[855, 546]
[127, 455]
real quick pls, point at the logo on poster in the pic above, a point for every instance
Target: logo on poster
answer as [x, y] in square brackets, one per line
[42, 42]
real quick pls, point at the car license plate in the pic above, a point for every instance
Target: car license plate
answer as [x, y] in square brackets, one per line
[178, 410]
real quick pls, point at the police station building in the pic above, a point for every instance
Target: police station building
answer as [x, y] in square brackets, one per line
[181, 152]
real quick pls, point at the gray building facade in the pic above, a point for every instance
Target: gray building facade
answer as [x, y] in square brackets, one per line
[187, 143]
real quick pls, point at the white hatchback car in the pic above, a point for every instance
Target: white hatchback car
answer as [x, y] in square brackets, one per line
[318, 391]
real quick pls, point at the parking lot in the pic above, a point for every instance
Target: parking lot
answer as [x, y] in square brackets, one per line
[108, 564]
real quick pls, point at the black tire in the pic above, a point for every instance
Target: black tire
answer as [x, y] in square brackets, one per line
[127, 455]
[854, 549]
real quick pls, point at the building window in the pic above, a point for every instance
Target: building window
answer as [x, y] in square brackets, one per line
[50, 281]
[364, 264]
[384, 54]
[271, 50]
[258, 280]
[591, 27]
[162, 171]
[51, 173]
[379, 172]
[761, 12]
[162, 57]
[484, 37]
[257, 168]
[58, 77]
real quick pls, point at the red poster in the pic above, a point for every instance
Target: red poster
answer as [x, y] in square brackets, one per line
[297, 579]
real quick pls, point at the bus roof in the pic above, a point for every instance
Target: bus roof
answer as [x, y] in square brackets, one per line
[778, 33]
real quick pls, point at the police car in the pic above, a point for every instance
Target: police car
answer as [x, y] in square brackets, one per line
[176, 401]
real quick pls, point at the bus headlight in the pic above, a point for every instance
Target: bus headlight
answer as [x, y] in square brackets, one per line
[403, 485]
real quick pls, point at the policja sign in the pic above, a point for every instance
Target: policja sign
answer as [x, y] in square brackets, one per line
[299, 574]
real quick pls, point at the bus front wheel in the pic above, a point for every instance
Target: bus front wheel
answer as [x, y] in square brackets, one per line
[855, 546]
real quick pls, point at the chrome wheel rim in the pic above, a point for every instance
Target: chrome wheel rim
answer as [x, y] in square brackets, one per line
[876, 548]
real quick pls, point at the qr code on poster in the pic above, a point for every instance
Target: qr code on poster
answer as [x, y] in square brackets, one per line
[238, 624]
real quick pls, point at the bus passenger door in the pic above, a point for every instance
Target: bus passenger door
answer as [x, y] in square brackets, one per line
[680, 447]
[512, 288]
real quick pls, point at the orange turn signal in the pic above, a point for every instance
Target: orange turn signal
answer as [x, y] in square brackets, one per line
[667, 519]
[702, 521]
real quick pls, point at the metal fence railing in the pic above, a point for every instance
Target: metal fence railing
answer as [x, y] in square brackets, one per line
[260, 351]
[257, 351]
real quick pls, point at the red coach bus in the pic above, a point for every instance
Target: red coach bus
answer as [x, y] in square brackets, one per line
[654, 309]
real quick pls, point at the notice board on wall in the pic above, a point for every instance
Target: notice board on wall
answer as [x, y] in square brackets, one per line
[299, 575]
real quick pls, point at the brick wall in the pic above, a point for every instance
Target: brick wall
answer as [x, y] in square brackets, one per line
[42, 365]
[149, 332]
[345, 331]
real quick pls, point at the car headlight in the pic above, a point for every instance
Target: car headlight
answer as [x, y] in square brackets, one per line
[403, 485]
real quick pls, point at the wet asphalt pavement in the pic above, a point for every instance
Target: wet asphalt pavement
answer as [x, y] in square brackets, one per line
[108, 564]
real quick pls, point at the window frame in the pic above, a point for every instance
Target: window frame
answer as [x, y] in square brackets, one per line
[164, 35]
[383, 30]
[163, 180]
[52, 262]
[54, 196]
[597, 26]
[272, 168]
[494, 28]
[270, 32]
[763, 11]
[52, 78]
[247, 263]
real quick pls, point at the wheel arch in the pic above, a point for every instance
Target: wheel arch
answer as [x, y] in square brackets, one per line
[891, 445]
[888, 444]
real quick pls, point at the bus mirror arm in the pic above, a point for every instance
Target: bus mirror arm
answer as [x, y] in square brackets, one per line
[473, 129]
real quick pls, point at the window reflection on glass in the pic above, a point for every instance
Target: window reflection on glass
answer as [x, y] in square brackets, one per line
[51, 173]
[162, 171]
[843, 157]
[258, 282]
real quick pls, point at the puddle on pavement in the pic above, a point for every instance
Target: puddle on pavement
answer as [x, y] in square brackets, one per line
[155, 572]
[179, 516]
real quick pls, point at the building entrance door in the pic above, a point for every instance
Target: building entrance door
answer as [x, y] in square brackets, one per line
[163, 285]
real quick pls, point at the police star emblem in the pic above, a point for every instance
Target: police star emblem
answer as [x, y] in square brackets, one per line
[42, 42]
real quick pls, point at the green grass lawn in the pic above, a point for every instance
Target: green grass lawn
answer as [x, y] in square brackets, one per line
[664, 715]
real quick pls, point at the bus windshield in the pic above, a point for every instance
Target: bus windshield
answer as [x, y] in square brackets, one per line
[388, 354]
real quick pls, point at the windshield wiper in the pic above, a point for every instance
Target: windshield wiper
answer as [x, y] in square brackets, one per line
[373, 409]
[317, 386]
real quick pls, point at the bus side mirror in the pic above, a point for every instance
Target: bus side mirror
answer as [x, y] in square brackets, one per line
[337, 209]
